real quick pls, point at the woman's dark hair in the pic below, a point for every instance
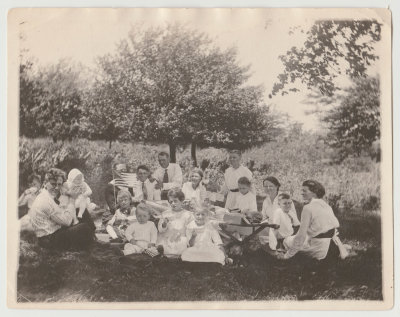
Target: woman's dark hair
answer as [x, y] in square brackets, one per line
[315, 187]
[272, 180]
[54, 173]
[176, 193]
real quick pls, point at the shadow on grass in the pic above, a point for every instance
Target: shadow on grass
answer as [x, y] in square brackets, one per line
[103, 275]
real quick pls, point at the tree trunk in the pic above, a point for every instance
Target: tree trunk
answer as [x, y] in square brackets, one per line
[172, 151]
[109, 144]
[193, 154]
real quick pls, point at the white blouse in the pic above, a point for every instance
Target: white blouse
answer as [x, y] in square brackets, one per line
[232, 176]
[246, 202]
[198, 194]
[317, 217]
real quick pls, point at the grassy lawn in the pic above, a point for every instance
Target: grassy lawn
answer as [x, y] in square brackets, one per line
[104, 276]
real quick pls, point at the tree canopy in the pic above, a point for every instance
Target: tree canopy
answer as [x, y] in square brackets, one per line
[332, 49]
[50, 100]
[173, 85]
[355, 123]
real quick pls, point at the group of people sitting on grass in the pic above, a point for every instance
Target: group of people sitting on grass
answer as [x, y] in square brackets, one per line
[189, 226]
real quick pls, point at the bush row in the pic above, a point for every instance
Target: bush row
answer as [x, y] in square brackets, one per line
[354, 183]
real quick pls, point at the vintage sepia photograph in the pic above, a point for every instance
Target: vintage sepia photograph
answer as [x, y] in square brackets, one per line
[200, 158]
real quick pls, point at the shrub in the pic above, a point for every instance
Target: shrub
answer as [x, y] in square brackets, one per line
[354, 183]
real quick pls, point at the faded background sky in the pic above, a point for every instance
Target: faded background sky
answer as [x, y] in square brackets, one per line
[260, 36]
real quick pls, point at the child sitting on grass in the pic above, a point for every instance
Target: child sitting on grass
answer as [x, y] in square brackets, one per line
[142, 235]
[287, 223]
[122, 218]
[172, 225]
[205, 244]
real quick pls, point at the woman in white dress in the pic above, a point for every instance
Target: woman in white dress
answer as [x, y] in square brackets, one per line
[194, 191]
[317, 228]
[232, 175]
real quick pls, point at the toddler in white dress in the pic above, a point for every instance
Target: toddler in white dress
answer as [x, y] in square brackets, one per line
[205, 244]
[142, 235]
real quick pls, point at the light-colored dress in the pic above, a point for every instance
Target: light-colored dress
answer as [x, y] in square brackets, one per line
[206, 246]
[231, 183]
[317, 217]
[198, 194]
[143, 233]
[173, 236]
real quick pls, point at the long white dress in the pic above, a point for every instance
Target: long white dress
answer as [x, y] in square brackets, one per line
[232, 176]
[317, 217]
[173, 236]
[206, 246]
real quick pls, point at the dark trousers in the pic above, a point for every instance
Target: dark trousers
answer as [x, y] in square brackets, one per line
[76, 237]
[164, 195]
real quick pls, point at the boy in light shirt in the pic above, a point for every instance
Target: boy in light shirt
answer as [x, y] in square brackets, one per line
[287, 223]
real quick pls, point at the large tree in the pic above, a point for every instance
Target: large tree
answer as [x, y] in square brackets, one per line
[50, 100]
[175, 86]
[355, 123]
[332, 49]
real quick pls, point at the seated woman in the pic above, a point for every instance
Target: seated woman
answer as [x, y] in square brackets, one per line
[194, 191]
[53, 224]
[318, 225]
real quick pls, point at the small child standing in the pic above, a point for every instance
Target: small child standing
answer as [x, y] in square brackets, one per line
[205, 244]
[142, 235]
[122, 218]
[286, 222]
[172, 225]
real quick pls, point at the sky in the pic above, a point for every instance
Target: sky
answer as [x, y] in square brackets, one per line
[259, 35]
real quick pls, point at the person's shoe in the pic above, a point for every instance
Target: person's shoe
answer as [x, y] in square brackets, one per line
[116, 240]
